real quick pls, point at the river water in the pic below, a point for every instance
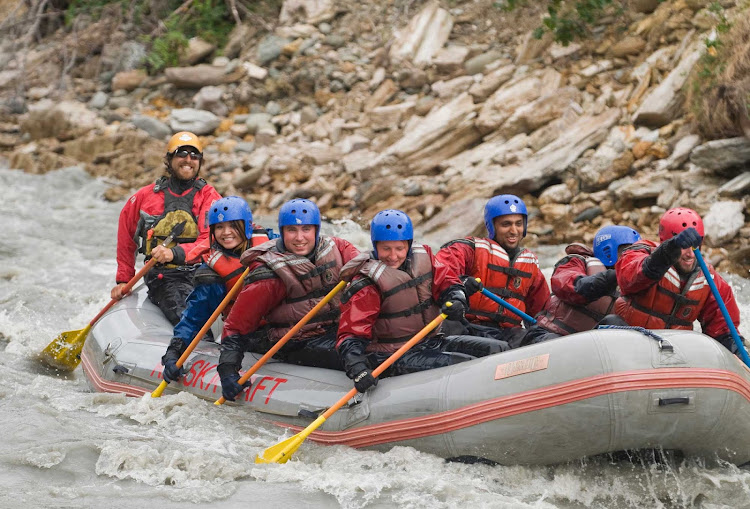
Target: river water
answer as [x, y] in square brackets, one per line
[66, 447]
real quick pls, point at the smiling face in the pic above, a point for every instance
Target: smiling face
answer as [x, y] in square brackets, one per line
[687, 261]
[185, 168]
[299, 239]
[508, 230]
[227, 235]
[392, 252]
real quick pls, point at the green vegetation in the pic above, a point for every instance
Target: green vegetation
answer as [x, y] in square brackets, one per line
[568, 22]
[719, 88]
[167, 25]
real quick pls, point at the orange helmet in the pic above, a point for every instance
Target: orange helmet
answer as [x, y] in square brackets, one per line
[184, 138]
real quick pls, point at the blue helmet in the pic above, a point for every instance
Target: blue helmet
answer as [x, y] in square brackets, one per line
[298, 212]
[503, 205]
[391, 224]
[609, 238]
[231, 208]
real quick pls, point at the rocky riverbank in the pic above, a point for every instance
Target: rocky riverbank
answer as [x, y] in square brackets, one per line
[430, 107]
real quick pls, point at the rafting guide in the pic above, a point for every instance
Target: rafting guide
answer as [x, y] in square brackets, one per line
[149, 215]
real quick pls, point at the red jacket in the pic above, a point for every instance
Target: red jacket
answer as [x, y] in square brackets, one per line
[635, 285]
[457, 259]
[153, 204]
[568, 311]
[257, 299]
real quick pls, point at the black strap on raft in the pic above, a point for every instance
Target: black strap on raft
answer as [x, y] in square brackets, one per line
[663, 343]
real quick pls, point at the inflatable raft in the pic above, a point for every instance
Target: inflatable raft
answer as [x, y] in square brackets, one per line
[585, 394]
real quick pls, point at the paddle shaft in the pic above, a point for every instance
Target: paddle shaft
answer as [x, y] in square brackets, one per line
[728, 319]
[219, 309]
[125, 289]
[176, 230]
[281, 342]
[388, 362]
[508, 306]
[293, 444]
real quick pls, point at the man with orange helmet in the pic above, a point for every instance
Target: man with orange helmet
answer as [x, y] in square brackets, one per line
[663, 287]
[149, 216]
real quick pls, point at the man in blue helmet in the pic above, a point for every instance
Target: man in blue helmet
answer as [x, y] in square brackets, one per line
[390, 300]
[232, 231]
[504, 267]
[584, 286]
[287, 279]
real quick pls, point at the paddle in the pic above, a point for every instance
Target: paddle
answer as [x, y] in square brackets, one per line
[728, 319]
[281, 452]
[508, 306]
[281, 342]
[223, 304]
[64, 352]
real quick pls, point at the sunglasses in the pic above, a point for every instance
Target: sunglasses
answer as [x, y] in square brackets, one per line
[185, 153]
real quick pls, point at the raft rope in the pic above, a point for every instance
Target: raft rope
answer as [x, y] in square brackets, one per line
[663, 343]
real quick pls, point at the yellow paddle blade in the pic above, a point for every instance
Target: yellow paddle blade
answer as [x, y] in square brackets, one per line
[64, 353]
[281, 452]
[157, 392]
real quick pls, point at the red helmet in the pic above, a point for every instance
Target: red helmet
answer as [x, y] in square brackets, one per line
[678, 219]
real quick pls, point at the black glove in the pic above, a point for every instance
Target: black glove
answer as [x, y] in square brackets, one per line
[728, 342]
[688, 238]
[230, 389]
[472, 286]
[596, 286]
[171, 372]
[352, 354]
[657, 263]
[364, 380]
[454, 310]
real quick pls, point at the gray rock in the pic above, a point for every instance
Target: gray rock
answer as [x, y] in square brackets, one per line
[199, 122]
[723, 221]
[99, 100]
[588, 214]
[256, 121]
[738, 186]
[270, 48]
[154, 127]
[722, 154]
[245, 146]
[478, 63]
[273, 108]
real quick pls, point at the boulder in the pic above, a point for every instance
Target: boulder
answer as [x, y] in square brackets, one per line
[723, 221]
[664, 102]
[200, 122]
[423, 37]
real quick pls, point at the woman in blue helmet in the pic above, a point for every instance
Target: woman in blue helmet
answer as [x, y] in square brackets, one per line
[287, 279]
[584, 286]
[231, 232]
[505, 268]
[389, 300]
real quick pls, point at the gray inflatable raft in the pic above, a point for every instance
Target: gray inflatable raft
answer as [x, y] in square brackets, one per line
[585, 394]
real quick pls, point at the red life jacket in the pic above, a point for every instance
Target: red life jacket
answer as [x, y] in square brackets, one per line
[671, 303]
[176, 210]
[306, 284]
[506, 278]
[406, 305]
[564, 318]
